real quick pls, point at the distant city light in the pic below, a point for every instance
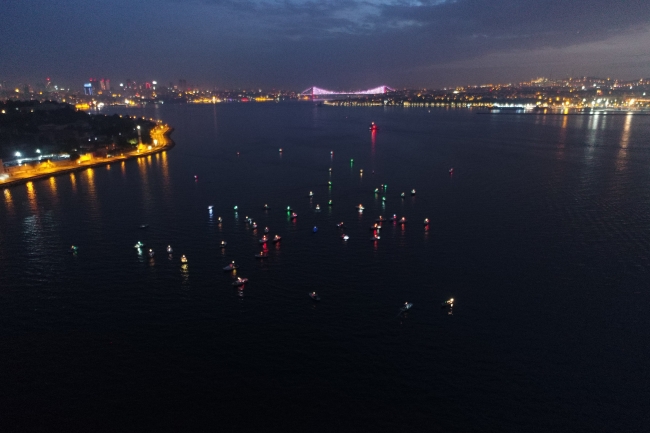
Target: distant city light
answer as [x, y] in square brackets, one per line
[18, 154]
[38, 150]
[154, 82]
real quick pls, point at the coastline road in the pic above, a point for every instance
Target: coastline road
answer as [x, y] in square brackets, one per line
[159, 135]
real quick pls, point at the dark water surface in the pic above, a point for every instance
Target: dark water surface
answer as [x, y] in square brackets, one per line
[542, 237]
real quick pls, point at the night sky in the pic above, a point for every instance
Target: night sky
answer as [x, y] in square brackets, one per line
[337, 44]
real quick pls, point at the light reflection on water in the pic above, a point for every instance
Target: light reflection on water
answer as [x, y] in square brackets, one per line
[53, 191]
[31, 197]
[621, 160]
[94, 204]
[73, 182]
[147, 198]
[9, 204]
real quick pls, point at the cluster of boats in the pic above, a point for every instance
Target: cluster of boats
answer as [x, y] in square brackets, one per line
[139, 246]
[408, 305]
[240, 282]
[376, 228]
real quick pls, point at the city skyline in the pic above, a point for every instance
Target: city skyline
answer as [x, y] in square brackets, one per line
[336, 44]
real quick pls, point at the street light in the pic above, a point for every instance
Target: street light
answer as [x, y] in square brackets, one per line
[38, 150]
[18, 154]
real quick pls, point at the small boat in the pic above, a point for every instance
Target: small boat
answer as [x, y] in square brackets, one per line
[381, 219]
[254, 225]
[210, 207]
[277, 238]
[249, 220]
[219, 220]
[264, 239]
[360, 207]
[329, 203]
[413, 192]
[402, 220]
[236, 208]
[231, 266]
[261, 255]
[376, 227]
[426, 221]
[294, 215]
[196, 177]
[393, 218]
[311, 193]
[183, 259]
[373, 126]
[345, 237]
[315, 229]
[407, 306]
[240, 282]
[138, 245]
[317, 208]
[289, 209]
[169, 249]
[266, 207]
[451, 170]
[314, 296]
[448, 303]
[223, 244]
[375, 238]
[151, 253]
[376, 190]
[73, 249]
[266, 229]
[340, 225]
[144, 226]
[402, 195]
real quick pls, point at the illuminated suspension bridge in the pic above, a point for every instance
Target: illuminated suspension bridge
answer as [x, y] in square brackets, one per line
[317, 92]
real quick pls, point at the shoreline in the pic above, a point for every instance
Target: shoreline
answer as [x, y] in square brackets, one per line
[169, 144]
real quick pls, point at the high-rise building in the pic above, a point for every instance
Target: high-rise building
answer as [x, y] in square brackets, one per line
[105, 84]
[96, 85]
[88, 89]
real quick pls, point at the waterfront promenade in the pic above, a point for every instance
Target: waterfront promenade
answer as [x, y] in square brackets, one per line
[161, 142]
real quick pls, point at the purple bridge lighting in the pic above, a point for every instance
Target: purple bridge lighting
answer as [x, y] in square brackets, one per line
[317, 91]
